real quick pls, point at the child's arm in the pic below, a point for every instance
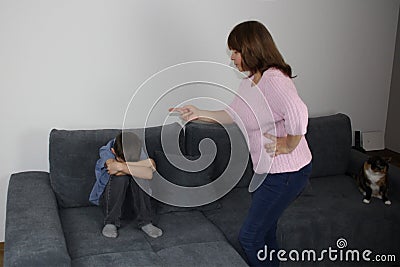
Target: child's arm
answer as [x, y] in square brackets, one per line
[149, 163]
[143, 168]
[137, 169]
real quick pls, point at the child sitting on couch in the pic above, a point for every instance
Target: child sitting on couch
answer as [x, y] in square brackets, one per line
[115, 189]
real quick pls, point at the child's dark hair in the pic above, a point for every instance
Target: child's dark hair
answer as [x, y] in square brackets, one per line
[127, 146]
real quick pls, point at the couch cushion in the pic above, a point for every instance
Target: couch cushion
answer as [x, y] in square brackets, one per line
[331, 208]
[169, 137]
[86, 245]
[329, 139]
[172, 168]
[82, 229]
[178, 176]
[181, 228]
[73, 155]
[218, 253]
[222, 136]
[328, 209]
[229, 219]
[163, 208]
[120, 259]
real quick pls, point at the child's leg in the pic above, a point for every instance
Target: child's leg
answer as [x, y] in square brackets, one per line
[113, 198]
[141, 204]
[143, 211]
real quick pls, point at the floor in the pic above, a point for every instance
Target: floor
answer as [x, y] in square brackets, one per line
[395, 160]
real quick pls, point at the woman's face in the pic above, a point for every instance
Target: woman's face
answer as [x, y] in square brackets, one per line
[237, 60]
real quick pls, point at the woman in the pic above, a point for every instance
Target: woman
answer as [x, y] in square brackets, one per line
[254, 51]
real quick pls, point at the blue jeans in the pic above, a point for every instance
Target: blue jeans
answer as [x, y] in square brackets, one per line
[269, 201]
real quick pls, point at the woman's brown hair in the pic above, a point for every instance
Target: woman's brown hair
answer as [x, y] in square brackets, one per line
[259, 52]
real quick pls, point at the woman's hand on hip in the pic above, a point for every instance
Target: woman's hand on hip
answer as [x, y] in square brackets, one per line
[281, 145]
[278, 145]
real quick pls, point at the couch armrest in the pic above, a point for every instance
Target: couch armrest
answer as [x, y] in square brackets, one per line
[34, 235]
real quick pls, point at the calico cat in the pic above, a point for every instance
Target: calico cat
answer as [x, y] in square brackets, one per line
[373, 179]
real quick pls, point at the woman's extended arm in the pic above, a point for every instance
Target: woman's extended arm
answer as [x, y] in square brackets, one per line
[189, 113]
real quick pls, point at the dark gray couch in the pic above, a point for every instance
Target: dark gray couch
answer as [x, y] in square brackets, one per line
[50, 222]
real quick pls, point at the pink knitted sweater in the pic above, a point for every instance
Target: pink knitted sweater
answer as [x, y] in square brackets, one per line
[272, 106]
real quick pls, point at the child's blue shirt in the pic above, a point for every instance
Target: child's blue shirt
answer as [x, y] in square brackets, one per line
[102, 175]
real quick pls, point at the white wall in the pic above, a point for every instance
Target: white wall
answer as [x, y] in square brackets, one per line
[75, 64]
[392, 125]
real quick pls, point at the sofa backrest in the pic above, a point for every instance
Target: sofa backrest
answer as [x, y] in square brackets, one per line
[329, 139]
[73, 155]
[195, 132]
